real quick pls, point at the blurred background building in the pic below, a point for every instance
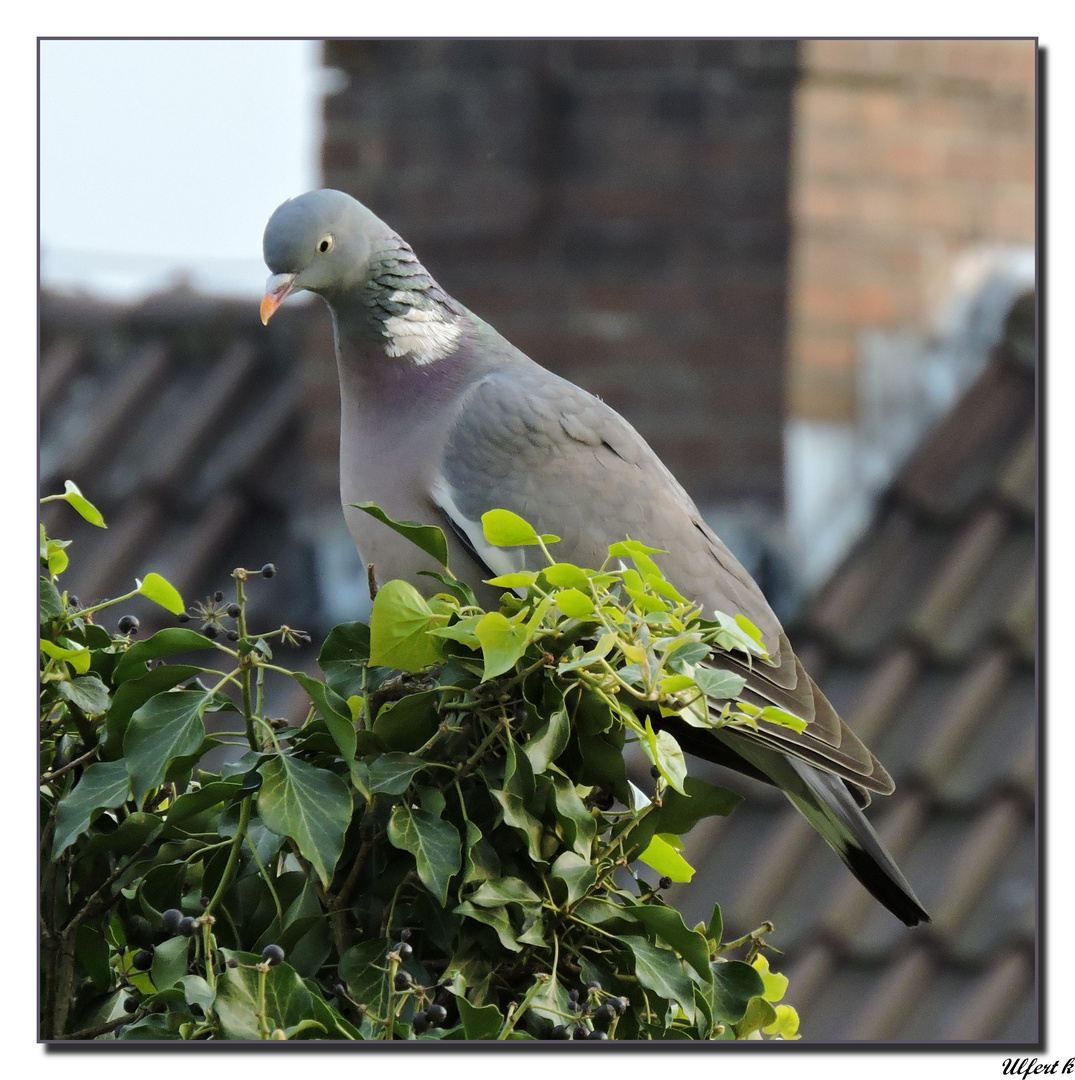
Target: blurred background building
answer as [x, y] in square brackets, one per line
[805, 272]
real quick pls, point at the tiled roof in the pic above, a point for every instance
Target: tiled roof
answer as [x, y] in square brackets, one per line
[925, 641]
[179, 419]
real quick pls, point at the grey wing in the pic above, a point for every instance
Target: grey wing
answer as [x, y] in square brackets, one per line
[527, 441]
[530, 442]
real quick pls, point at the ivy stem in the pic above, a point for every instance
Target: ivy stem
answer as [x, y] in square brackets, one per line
[233, 855]
[70, 765]
[515, 1013]
[83, 612]
[263, 1020]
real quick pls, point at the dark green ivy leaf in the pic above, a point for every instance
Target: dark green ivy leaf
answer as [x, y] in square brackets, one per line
[167, 642]
[434, 843]
[427, 537]
[166, 727]
[102, 786]
[734, 984]
[87, 692]
[312, 806]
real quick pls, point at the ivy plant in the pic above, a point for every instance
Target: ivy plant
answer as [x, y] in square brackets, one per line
[447, 845]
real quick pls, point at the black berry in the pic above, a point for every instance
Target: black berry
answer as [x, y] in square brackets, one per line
[603, 1015]
[170, 921]
[591, 986]
[560, 1032]
[655, 773]
[619, 1004]
[234, 611]
[420, 1023]
[233, 635]
[403, 980]
[437, 1015]
[573, 994]
[404, 935]
[143, 960]
[209, 630]
[128, 625]
[188, 927]
[130, 1003]
[233, 963]
[597, 1035]
[268, 570]
[664, 883]
[272, 954]
[405, 951]
[205, 901]
[218, 596]
[182, 617]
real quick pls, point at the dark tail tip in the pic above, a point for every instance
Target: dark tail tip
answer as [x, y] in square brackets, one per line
[895, 895]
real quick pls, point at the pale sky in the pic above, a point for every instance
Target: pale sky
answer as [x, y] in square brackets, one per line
[162, 159]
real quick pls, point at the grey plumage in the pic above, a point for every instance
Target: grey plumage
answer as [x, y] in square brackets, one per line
[442, 418]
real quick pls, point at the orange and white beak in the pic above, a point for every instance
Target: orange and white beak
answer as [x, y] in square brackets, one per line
[277, 288]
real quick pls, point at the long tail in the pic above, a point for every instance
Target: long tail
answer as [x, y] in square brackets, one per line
[825, 801]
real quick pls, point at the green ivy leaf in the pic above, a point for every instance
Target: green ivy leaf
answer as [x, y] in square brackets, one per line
[392, 773]
[714, 930]
[312, 806]
[49, 600]
[87, 692]
[497, 918]
[343, 658]
[78, 656]
[427, 537]
[734, 985]
[287, 1001]
[574, 603]
[434, 843]
[479, 1021]
[550, 741]
[776, 985]
[169, 962]
[502, 528]
[661, 971]
[578, 875]
[399, 625]
[567, 576]
[83, 505]
[162, 592]
[134, 693]
[667, 924]
[335, 712]
[503, 643]
[103, 786]
[505, 890]
[679, 813]
[514, 581]
[759, 1014]
[166, 727]
[168, 642]
[408, 723]
[718, 684]
[664, 858]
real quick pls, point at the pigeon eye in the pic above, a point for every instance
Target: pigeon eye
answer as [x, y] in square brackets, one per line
[324, 245]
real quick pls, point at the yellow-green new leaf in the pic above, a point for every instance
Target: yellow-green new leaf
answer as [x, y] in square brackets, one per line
[83, 505]
[668, 862]
[162, 592]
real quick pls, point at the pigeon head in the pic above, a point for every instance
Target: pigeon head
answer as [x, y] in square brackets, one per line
[321, 242]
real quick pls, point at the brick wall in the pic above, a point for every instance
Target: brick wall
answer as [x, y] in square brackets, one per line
[617, 209]
[906, 154]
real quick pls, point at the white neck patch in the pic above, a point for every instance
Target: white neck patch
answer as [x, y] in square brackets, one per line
[423, 333]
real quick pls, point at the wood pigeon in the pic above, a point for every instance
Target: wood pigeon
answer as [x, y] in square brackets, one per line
[443, 419]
